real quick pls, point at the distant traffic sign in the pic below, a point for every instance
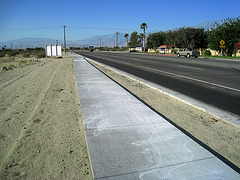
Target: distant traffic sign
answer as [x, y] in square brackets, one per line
[222, 42]
[221, 46]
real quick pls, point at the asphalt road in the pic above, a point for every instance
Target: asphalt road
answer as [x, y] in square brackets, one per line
[215, 82]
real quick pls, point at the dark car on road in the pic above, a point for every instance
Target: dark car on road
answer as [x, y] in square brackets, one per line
[131, 51]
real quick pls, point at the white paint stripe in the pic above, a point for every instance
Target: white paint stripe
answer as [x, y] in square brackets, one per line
[193, 79]
[218, 113]
[177, 75]
[190, 67]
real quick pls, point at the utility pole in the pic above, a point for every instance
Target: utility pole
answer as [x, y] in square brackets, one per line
[11, 45]
[56, 41]
[64, 39]
[117, 33]
[100, 41]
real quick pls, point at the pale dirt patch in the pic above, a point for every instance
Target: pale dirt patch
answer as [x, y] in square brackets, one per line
[41, 128]
[220, 135]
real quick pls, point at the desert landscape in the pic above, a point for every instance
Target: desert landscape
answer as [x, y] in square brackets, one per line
[42, 133]
[41, 130]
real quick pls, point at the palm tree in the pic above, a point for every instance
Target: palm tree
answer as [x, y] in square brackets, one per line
[144, 26]
[126, 36]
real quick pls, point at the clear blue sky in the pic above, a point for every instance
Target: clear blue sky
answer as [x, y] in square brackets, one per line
[45, 18]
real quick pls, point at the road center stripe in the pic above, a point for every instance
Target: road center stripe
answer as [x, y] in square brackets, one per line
[190, 67]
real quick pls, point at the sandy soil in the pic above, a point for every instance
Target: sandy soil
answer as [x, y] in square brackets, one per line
[41, 130]
[219, 135]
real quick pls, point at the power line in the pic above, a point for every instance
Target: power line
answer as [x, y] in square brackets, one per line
[109, 28]
[36, 28]
[76, 27]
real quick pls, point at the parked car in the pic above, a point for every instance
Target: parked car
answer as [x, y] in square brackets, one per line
[133, 51]
[188, 52]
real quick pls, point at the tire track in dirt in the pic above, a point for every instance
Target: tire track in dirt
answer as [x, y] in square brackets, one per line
[29, 122]
[9, 83]
[16, 78]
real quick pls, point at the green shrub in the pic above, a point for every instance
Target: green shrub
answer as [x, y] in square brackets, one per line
[25, 55]
[41, 55]
[2, 53]
[174, 51]
[229, 53]
[12, 53]
[207, 53]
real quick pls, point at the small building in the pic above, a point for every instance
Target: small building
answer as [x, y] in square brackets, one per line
[139, 49]
[164, 49]
[53, 50]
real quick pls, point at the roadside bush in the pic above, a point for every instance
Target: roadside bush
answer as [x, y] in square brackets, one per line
[2, 53]
[12, 53]
[174, 51]
[6, 59]
[21, 63]
[207, 53]
[25, 55]
[124, 48]
[229, 53]
[41, 55]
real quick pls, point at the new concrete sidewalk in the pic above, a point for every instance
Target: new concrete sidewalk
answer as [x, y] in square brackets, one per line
[127, 140]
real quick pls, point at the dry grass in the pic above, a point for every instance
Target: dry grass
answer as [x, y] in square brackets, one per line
[13, 62]
[10, 59]
[6, 59]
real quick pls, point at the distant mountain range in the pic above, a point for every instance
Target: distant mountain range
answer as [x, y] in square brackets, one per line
[208, 24]
[106, 40]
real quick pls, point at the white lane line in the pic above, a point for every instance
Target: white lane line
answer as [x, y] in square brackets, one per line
[193, 79]
[190, 67]
[176, 75]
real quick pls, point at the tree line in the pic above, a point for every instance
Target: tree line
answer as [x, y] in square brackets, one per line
[184, 37]
[136, 39]
[194, 38]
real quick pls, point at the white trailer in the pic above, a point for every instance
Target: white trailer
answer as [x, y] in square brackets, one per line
[53, 50]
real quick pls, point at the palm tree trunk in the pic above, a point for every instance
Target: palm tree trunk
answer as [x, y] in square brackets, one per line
[144, 39]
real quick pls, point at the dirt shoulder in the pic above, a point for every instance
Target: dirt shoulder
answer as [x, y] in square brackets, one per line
[41, 129]
[221, 136]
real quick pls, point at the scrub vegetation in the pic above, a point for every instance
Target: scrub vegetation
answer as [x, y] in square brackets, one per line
[10, 59]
